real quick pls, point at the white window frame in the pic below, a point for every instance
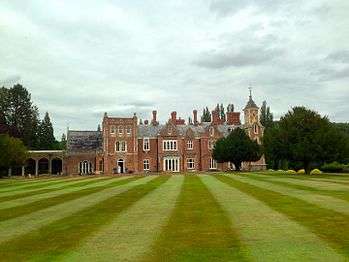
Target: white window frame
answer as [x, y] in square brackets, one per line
[171, 164]
[169, 145]
[120, 146]
[190, 163]
[190, 145]
[120, 130]
[146, 144]
[146, 165]
[128, 130]
[213, 164]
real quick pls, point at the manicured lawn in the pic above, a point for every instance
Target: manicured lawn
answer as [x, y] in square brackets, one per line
[207, 217]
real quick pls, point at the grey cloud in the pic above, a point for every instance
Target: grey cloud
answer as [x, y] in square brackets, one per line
[245, 57]
[339, 56]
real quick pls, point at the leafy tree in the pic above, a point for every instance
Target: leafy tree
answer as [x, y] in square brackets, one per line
[306, 137]
[237, 147]
[46, 137]
[266, 116]
[13, 153]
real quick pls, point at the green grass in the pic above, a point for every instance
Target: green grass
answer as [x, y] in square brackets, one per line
[222, 217]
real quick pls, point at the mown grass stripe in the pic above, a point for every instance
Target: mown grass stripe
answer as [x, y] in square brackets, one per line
[132, 233]
[30, 199]
[17, 211]
[21, 225]
[198, 229]
[268, 235]
[341, 179]
[306, 182]
[78, 183]
[329, 225]
[340, 194]
[41, 184]
[327, 202]
[55, 239]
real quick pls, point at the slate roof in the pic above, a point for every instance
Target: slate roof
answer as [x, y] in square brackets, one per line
[251, 103]
[84, 141]
[153, 131]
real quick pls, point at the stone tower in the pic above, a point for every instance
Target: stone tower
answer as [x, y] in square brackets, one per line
[252, 123]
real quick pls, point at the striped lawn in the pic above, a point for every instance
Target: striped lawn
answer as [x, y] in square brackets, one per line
[221, 217]
[198, 229]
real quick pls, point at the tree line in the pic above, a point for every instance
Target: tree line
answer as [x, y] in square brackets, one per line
[21, 128]
[301, 139]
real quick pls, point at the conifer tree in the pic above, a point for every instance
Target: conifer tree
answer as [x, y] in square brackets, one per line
[46, 137]
[266, 116]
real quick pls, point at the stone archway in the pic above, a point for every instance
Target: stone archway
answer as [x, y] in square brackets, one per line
[30, 166]
[43, 166]
[56, 166]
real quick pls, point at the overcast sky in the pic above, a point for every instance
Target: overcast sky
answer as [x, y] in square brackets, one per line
[82, 58]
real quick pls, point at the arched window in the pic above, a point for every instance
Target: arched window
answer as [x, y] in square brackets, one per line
[120, 146]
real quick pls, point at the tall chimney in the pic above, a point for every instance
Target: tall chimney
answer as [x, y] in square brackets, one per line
[154, 122]
[174, 117]
[215, 117]
[195, 113]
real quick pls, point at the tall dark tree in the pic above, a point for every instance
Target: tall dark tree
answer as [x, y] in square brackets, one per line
[63, 143]
[206, 115]
[230, 108]
[20, 114]
[266, 116]
[46, 137]
[236, 148]
[222, 112]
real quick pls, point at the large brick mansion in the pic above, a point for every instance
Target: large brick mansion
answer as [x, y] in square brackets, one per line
[126, 146]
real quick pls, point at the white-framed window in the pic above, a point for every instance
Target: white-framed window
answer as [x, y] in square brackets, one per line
[120, 130]
[169, 145]
[112, 129]
[146, 144]
[128, 130]
[190, 144]
[210, 144]
[121, 146]
[171, 164]
[190, 163]
[146, 166]
[213, 163]
[85, 167]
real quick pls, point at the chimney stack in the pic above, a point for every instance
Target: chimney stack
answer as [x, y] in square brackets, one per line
[154, 122]
[233, 118]
[215, 117]
[174, 117]
[195, 113]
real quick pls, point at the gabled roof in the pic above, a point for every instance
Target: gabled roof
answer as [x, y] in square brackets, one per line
[78, 141]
